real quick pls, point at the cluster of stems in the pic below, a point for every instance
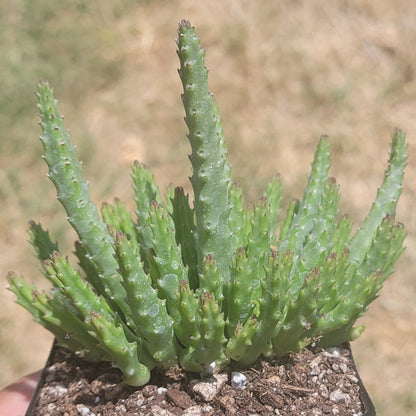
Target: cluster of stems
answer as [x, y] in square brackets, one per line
[189, 284]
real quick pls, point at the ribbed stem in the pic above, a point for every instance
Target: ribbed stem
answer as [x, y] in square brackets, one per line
[211, 172]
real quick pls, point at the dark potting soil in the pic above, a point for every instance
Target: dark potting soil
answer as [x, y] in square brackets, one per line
[312, 383]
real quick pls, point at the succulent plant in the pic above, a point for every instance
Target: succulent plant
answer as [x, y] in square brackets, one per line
[192, 284]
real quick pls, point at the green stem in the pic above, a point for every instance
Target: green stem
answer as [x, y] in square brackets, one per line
[72, 191]
[211, 177]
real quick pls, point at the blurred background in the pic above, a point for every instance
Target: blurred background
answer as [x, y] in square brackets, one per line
[283, 72]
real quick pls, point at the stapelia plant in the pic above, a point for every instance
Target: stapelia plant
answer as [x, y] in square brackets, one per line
[211, 281]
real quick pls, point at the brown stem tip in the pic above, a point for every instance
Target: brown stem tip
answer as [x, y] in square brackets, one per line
[184, 24]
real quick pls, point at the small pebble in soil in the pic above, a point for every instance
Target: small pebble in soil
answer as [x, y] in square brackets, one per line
[208, 389]
[334, 352]
[84, 410]
[238, 380]
[338, 396]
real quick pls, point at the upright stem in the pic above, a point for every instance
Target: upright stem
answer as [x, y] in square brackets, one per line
[211, 177]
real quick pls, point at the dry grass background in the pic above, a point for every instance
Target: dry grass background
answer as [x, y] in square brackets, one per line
[283, 73]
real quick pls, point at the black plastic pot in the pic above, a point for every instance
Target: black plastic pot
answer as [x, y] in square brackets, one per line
[369, 409]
